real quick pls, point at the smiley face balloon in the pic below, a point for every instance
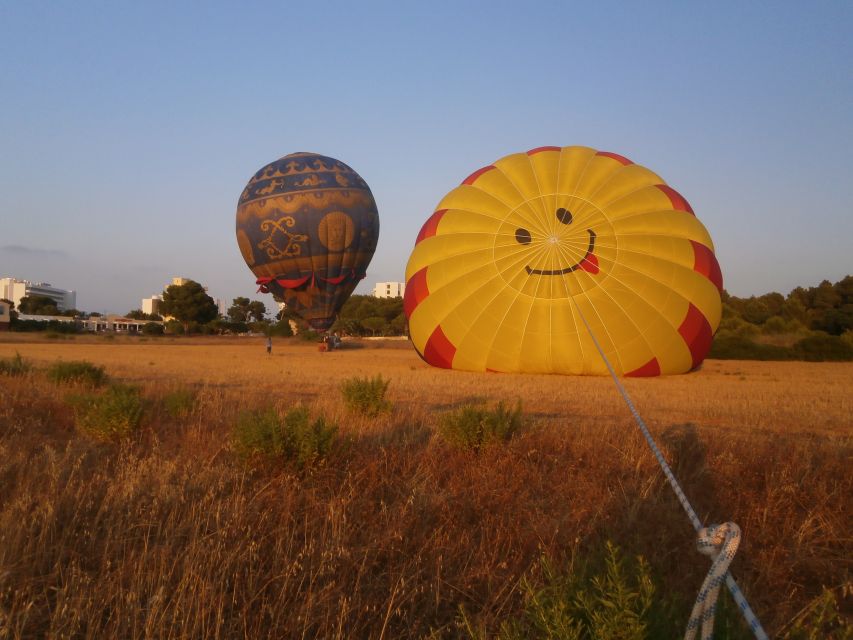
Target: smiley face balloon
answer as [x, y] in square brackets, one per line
[515, 259]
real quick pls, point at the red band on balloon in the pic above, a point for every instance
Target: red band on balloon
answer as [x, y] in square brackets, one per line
[439, 351]
[430, 227]
[615, 156]
[696, 331]
[292, 283]
[473, 177]
[679, 202]
[339, 279]
[416, 291]
[705, 262]
[651, 368]
[541, 149]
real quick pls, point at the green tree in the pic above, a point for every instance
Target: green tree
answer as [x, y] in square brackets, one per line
[244, 310]
[239, 310]
[188, 303]
[257, 310]
[38, 306]
[136, 314]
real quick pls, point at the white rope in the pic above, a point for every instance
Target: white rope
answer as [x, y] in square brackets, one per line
[720, 541]
[737, 594]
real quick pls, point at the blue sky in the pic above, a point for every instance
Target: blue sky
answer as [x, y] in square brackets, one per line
[128, 130]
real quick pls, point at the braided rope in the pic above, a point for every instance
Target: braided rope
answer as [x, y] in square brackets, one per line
[737, 594]
[720, 541]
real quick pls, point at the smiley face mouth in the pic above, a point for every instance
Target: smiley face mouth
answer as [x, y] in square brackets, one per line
[588, 263]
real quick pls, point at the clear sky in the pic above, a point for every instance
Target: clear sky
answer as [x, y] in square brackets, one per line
[128, 130]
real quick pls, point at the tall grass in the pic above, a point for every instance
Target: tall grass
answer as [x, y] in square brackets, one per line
[169, 534]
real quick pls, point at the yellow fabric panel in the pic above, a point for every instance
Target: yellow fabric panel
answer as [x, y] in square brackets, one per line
[598, 171]
[573, 162]
[520, 172]
[632, 178]
[546, 166]
[676, 224]
[471, 199]
[499, 185]
[437, 249]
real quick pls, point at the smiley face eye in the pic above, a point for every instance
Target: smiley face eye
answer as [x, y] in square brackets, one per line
[564, 215]
[522, 236]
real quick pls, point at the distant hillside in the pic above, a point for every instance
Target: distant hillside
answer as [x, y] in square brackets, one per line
[813, 324]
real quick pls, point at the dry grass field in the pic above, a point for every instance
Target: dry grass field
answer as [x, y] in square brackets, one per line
[169, 534]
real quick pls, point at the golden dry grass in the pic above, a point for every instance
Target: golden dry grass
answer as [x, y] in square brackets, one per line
[170, 536]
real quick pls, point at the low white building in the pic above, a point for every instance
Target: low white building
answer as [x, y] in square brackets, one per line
[14, 289]
[389, 289]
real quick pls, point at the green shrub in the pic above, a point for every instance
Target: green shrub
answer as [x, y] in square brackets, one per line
[821, 347]
[77, 371]
[114, 414]
[821, 620]
[174, 328]
[179, 403]
[472, 427]
[265, 434]
[615, 602]
[16, 366]
[280, 329]
[366, 395]
[152, 329]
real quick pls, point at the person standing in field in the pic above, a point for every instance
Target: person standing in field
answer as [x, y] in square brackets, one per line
[269, 345]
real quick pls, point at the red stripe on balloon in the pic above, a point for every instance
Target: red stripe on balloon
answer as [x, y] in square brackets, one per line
[651, 368]
[470, 179]
[679, 202]
[697, 334]
[615, 156]
[705, 262]
[416, 291]
[430, 227]
[533, 152]
[439, 351]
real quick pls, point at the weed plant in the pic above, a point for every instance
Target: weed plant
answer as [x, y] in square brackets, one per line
[617, 601]
[112, 415]
[15, 366]
[473, 427]
[77, 371]
[180, 402]
[294, 437]
[366, 395]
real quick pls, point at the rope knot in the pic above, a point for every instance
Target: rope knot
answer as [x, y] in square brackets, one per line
[720, 542]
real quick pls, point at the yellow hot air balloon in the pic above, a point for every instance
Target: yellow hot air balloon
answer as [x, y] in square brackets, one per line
[517, 260]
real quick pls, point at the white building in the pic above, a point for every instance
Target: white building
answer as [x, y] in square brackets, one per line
[151, 305]
[14, 289]
[389, 289]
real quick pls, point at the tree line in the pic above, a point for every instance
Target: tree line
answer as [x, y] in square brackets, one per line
[814, 323]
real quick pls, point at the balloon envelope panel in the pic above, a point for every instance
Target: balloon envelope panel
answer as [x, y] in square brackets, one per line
[512, 261]
[307, 226]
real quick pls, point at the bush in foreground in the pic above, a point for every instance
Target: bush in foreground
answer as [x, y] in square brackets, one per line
[180, 402]
[293, 437]
[366, 395]
[77, 371]
[473, 427]
[112, 415]
[16, 366]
